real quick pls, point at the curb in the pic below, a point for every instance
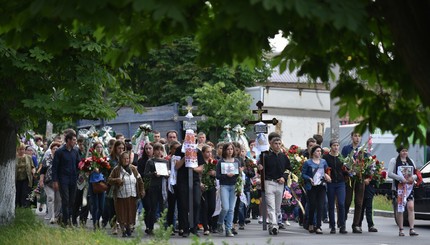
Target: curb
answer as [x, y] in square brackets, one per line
[381, 213]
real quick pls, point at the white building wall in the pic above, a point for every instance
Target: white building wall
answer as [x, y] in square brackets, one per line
[298, 110]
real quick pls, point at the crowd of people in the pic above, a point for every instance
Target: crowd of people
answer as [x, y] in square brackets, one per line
[111, 184]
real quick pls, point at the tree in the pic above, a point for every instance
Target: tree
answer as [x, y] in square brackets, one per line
[377, 45]
[170, 73]
[221, 107]
[37, 84]
[380, 46]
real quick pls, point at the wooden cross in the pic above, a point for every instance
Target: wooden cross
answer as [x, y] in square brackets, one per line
[260, 113]
[274, 121]
[189, 121]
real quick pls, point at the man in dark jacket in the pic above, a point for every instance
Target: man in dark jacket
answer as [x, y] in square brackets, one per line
[275, 165]
[65, 174]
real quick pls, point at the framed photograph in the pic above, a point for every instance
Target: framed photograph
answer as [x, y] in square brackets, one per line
[318, 176]
[161, 168]
[405, 171]
[229, 167]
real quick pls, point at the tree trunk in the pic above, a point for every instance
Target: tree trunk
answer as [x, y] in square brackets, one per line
[8, 143]
[409, 21]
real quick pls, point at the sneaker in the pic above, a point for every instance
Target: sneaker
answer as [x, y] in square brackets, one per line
[326, 221]
[220, 228]
[206, 233]
[275, 231]
[241, 227]
[114, 231]
[333, 230]
[287, 223]
[228, 233]
[234, 231]
[281, 226]
[318, 231]
[373, 229]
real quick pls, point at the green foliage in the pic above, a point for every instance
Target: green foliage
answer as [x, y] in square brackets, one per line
[170, 73]
[39, 85]
[161, 234]
[378, 83]
[221, 107]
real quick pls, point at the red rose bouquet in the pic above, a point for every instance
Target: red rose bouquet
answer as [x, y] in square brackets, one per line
[208, 181]
[94, 163]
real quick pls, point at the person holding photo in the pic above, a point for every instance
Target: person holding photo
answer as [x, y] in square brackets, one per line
[400, 179]
[313, 173]
[157, 190]
[227, 181]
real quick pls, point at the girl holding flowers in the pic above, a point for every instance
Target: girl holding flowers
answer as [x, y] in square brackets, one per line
[208, 189]
[336, 189]
[100, 166]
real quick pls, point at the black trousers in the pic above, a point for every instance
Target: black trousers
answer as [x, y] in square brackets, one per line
[79, 210]
[146, 207]
[67, 193]
[22, 192]
[155, 203]
[183, 206]
[108, 211]
[171, 206]
[208, 207]
[316, 203]
[368, 209]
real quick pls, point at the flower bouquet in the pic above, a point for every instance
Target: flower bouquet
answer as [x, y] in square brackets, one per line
[296, 161]
[94, 163]
[375, 171]
[208, 181]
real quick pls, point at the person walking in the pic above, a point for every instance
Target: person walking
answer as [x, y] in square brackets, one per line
[157, 191]
[403, 180]
[127, 187]
[24, 174]
[275, 165]
[45, 181]
[354, 187]
[65, 174]
[336, 188]
[227, 179]
[313, 173]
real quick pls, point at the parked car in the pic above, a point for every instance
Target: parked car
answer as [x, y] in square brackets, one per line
[421, 197]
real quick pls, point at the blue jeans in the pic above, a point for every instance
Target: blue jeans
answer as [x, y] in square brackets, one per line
[336, 190]
[97, 204]
[228, 201]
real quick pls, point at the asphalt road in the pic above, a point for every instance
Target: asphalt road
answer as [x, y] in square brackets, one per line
[294, 234]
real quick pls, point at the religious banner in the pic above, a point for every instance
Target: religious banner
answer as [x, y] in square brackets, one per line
[190, 149]
[403, 189]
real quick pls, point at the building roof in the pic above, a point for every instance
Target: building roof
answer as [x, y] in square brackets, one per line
[288, 77]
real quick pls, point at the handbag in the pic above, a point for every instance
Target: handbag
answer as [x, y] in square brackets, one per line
[99, 187]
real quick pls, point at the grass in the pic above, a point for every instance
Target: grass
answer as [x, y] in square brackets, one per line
[381, 202]
[28, 229]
